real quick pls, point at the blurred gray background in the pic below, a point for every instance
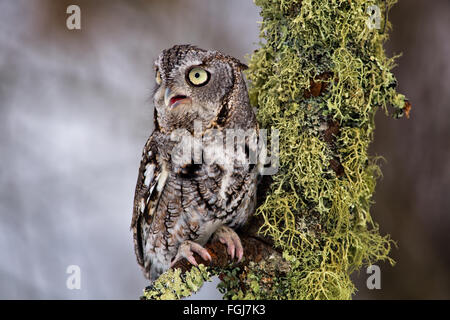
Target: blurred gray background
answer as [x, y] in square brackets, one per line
[75, 114]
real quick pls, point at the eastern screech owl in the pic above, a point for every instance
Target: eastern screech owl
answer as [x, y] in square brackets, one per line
[180, 204]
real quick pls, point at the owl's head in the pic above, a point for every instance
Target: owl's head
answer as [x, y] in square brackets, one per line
[196, 84]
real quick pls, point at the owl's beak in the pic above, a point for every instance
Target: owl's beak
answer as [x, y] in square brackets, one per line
[167, 96]
[172, 98]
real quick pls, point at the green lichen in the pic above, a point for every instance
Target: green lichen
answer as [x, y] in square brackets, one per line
[255, 281]
[173, 284]
[320, 219]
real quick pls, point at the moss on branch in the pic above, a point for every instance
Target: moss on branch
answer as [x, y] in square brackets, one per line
[185, 279]
[319, 77]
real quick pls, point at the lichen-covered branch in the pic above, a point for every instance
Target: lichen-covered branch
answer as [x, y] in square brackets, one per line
[319, 78]
[184, 278]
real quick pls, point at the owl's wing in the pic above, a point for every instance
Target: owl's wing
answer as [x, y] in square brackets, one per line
[146, 195]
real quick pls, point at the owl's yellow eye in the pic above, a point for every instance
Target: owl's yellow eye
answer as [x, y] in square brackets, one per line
[158, 77]
[198, 76]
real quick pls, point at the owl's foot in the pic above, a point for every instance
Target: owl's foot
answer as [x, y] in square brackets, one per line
[230, 238]
[187, 249]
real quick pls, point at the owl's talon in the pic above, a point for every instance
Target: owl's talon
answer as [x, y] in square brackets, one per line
[191, 259]
[230, 238]
[187, 250]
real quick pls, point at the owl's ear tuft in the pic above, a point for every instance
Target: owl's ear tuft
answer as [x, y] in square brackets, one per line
[242, 66]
